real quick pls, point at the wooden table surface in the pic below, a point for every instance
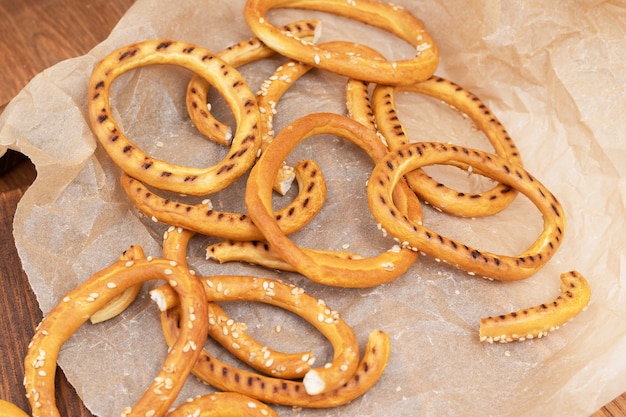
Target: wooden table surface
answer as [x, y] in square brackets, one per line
[36, 34]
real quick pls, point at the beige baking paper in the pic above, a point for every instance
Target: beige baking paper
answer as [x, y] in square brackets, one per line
[554, 73]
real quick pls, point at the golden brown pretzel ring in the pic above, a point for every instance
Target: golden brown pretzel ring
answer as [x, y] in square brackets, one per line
[538, 321]
[236, 55]
[157, 173]
[223, 404]
[228, 333]
[323, 267]
[294, 299]
[428, 189]
[416, 155]
[90, 296]
[277, 390]
[201, 217]
[382, 15]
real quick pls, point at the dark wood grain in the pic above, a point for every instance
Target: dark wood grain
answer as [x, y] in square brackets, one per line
[36, 34]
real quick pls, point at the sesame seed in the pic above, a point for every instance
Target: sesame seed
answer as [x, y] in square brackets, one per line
[129, 264]
[111, 285]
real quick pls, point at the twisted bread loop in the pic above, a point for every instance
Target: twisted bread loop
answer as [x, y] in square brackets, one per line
[427, 188]
[228, 333]
[384, 16]
[235, 55]
[157, 173]
[538, 321]
[202, 218]
[329, 386]
[409, 157]
[318, 266]
[76, 307]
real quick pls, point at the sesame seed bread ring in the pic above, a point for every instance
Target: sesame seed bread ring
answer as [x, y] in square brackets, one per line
[538, 321]
[235, 55]
[382, 15]
[157, 173]
[228, 333]
[223, 404]
[320, 267]
[291, 298]
[76, 307]
[409, 157]
[427, 188]
[284, 391]
[202, 218]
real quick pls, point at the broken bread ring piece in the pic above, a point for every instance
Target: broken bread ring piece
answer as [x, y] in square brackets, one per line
[90, 296]
[427, 188]
[407, 158]
[236, 55]
[155, 172]
[321, 267]
[385, 16]
[202, 218]
[538, 321]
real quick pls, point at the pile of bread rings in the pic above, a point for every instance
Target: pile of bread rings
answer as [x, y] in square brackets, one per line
[396, 189]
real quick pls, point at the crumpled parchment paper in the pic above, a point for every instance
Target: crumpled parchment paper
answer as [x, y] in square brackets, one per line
[552, 72]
